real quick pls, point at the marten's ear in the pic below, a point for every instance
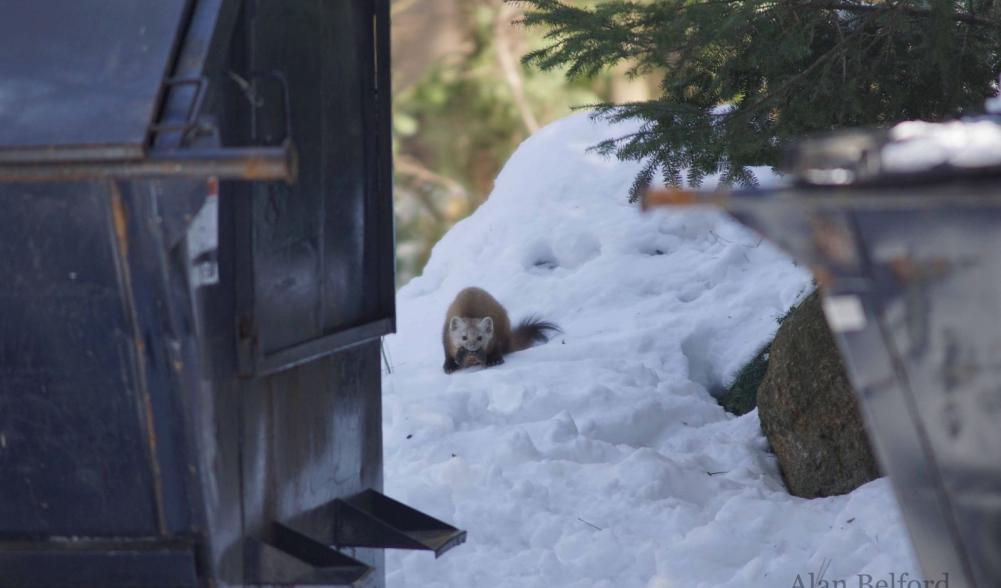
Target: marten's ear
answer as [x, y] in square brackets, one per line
[487, 325]
[453, 325]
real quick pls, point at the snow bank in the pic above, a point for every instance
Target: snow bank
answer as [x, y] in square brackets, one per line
[601, 459]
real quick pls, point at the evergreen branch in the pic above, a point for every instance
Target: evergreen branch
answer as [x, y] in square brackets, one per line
[789, 83]
[789, 67]
[643, 180]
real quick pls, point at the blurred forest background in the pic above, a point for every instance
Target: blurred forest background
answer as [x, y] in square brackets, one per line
[462, 103]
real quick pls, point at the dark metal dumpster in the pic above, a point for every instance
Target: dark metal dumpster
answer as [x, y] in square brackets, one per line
[902, 230]
[196, 247]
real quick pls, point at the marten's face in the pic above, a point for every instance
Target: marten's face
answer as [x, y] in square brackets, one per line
[471, 338]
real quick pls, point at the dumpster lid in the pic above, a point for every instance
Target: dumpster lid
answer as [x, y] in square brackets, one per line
[907, 153]
[83, 79]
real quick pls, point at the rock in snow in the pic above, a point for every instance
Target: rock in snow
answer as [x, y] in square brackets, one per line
[601, 459]
[808, 410]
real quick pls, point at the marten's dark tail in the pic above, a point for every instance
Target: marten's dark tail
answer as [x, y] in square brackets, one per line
[532, 330]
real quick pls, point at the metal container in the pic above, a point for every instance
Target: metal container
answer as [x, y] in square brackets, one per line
[902, 231]
[196, 247]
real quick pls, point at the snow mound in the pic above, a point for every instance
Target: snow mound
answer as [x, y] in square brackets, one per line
[601, 459]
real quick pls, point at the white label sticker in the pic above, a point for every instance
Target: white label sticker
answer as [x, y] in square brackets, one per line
[844, 313]
[203, 241]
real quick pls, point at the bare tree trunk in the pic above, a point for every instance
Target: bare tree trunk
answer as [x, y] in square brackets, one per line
[504, 43]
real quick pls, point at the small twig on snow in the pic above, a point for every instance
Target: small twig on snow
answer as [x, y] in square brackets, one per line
[590, 524]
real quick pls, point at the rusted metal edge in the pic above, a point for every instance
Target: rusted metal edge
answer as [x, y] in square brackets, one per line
[52, 154]
[659, 197]
[955, 195]
[119, 225]
[228, 163]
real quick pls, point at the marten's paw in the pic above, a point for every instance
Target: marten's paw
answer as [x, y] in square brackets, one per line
[450, 365]
[495, 361]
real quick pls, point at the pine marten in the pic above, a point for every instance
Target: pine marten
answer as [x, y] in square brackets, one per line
[478, 331]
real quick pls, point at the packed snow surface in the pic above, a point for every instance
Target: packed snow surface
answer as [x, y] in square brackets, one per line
[601, 459]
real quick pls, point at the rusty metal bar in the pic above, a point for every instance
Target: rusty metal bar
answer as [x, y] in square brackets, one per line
[959, 194]
[658, 197]
[227, 163]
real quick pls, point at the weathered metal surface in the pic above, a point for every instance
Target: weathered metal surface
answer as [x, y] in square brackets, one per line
[82, 78]
[86, 564]
[72, 451]
[295, 298]
[134, 440]
[311, 434]
[936, 296]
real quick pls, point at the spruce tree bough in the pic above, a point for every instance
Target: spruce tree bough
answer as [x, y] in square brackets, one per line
[741, 78]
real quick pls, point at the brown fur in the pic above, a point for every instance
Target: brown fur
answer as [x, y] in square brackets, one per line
[478, 303]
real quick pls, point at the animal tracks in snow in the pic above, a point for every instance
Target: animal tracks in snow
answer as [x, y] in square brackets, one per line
[616, 427]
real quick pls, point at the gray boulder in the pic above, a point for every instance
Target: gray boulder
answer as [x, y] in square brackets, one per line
[808, 410]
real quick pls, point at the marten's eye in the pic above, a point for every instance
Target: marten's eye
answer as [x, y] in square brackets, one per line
[479, 338]
[464, 337]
